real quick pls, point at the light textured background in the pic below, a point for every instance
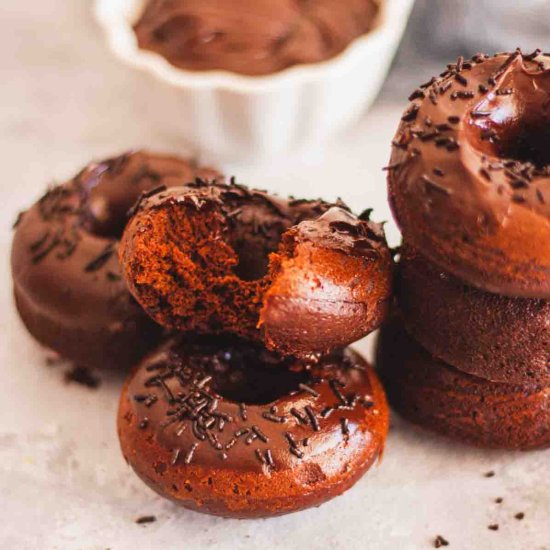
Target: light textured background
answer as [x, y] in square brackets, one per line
[63, 483]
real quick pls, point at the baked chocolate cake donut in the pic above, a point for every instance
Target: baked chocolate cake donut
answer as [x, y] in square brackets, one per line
[499, 338]
[438, 397]
[305, 277]
[227, 428]
[67, 282]
[469, 177]
[252, 37]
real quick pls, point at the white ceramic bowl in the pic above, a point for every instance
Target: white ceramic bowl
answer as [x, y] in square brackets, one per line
[227, 116]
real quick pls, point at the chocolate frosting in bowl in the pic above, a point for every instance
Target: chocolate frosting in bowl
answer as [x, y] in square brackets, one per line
[253, 37]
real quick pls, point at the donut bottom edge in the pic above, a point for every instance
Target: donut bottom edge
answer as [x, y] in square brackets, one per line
[436, 396]
[102, 349]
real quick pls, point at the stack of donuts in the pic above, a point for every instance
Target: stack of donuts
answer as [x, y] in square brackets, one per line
[234, 308]
[467, 353]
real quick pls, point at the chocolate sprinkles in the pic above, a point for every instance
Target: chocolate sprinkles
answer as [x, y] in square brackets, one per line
[190, 453]
[99, 261]
[308, 389]
[411, 114]
[260, 434]
[345, 426]
[312, 418]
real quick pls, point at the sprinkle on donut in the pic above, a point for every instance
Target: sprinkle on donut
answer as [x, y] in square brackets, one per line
[305, 277]
[226, 427]
[469, 176]
[67, 281]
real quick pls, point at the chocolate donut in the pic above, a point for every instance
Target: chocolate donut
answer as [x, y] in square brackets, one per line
[438, 397]
[227, 428]
[67, 282]
[495, 337]
[252, 37]
[305, 277]
[469, 177]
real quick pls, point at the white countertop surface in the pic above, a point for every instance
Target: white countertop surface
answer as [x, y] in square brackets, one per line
[63, 482]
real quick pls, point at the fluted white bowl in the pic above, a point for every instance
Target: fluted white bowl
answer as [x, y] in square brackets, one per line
[228, 116]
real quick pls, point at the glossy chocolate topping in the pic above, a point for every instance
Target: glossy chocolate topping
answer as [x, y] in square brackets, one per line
[66, 275]
[469, 177]
[227, 427]
[339, 229]
[252, 37]
[330, 284]
[203, 257]
[441, 398]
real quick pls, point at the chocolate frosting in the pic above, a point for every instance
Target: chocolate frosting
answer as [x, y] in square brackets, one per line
[469, 177]
[259, 428]
[252, 37]
[330, 284]
[66, 274]
[339, 229]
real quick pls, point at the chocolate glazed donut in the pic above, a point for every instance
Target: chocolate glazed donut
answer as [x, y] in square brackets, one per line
[495, 337]
[67, 282]
[227, 428]
[438, 397]
[469, 177]
[305, 277]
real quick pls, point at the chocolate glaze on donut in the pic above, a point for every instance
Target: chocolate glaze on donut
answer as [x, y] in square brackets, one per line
[438, 397]
[495, 337]
[67, 282]
[215, 258]
[469, 177]
[227, 428]
[252, 37]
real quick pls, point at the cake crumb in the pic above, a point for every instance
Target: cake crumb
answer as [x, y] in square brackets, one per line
[146, 519]
[440, 541]
[82, 376]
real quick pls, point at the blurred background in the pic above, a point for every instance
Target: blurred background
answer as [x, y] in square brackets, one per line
[441, 30]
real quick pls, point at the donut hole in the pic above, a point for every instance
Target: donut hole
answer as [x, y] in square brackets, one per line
[111, 188]
[107, 198]
[107, 220]
[512, 127]
[252, 257]
[108, 205]
[527, 143]
[246, 373]
[253, 236]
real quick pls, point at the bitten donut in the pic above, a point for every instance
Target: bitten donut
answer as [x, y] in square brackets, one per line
[67, 282]
[228, 428]
[303, 276]
[469, 176]
[499, 338]
[438, 397]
